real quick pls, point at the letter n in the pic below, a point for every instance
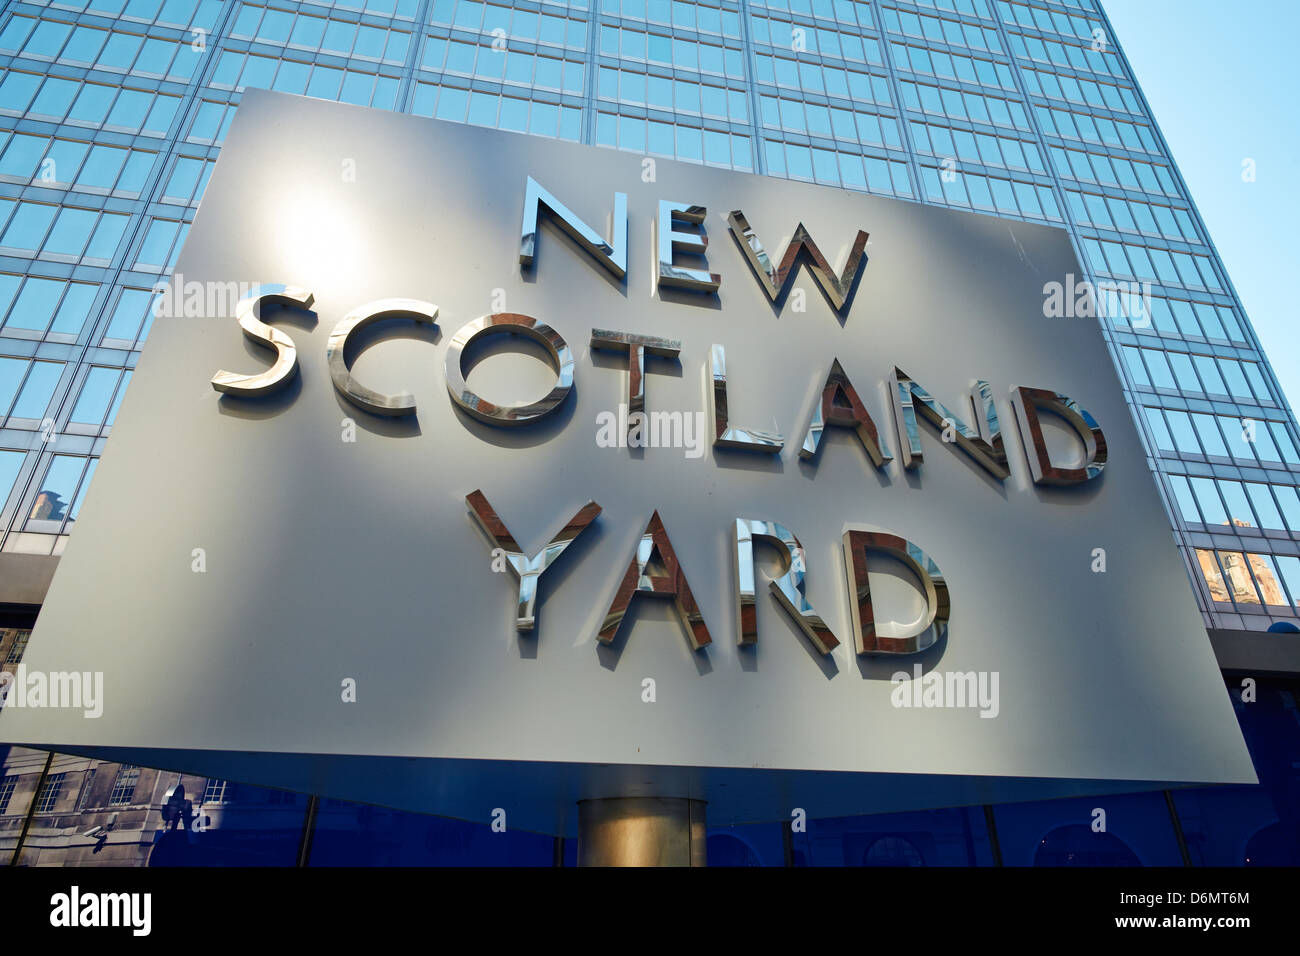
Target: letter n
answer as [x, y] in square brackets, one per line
[611, 254]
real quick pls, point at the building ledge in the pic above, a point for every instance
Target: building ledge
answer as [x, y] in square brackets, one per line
[1256, 653]
[24, 579]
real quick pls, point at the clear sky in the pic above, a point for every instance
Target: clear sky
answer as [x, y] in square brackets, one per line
[1221, 78]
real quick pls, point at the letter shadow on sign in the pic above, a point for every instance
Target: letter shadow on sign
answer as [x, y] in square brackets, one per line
[514, 436]
[885, 666]
[643, 610]
[385, 330]
[745, 460]
[842, 443]
[703, 300]
[557, 237]
[262, 407]
[914, 476]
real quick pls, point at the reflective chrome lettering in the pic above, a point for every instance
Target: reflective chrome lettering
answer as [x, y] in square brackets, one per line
[612, 254]
[516, 324]
[527, 570]
[776, 279]
[635, 347]
[671, 241]
[1028, 402]
[839, 406]
[893, 638]
[739, 439]
[659, 578]
[788, 589]
[377, 403]
[248, 311]
[984, 445]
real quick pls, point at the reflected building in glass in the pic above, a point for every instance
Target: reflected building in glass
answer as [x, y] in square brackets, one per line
[112, 113]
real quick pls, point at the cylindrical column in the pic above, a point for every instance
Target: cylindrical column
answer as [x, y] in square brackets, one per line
[641, 831]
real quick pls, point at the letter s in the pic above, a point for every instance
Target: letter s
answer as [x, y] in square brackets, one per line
[286, 355]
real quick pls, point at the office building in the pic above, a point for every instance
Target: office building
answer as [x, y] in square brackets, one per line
[113, 114]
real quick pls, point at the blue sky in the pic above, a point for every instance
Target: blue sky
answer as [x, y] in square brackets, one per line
[1222, 81]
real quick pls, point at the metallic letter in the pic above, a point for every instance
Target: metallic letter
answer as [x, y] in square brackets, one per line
[516, 324]
[635, 347]
[1027, 402]
[672, 241]
[527, 570]
[612, 255]
[850, 413]
[672, 583]
[282, 371]
[724, 436]
[788, 589]
[984, 445]
[775, 279]
[873, 638]
[377, 403]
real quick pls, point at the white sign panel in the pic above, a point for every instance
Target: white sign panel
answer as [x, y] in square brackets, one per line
[843, 494]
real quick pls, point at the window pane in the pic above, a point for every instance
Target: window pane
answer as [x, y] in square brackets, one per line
[10, 463]
[1237, 574]
[96, 393]
[37, 391]
[57, 488]
[1265, 510]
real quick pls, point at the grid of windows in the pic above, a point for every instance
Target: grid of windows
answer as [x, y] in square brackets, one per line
[1245, 580]
[112, 113]
[113, 51]
[7, 785]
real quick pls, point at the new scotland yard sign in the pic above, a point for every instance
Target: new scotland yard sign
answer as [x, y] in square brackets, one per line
[347, 537]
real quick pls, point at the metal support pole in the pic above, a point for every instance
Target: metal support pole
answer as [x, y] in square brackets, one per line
[641, 831]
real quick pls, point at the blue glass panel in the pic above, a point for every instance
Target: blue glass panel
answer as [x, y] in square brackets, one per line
[1135, 830]
[350, 834]
[950, 837]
